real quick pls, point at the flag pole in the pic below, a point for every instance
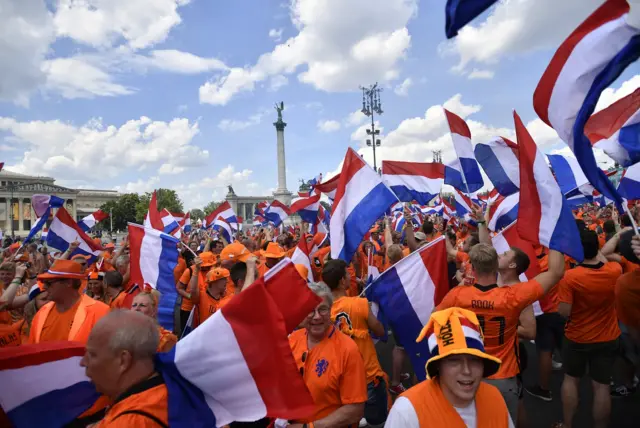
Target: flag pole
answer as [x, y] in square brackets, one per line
[187, 247]
[633, 220]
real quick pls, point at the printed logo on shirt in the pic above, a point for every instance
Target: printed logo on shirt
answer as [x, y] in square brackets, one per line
[343, 322]
[321, 367]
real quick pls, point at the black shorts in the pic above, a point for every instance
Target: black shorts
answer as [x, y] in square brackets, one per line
[549, 331]
[595, 358]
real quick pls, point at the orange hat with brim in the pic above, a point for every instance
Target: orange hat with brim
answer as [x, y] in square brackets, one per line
[235, 252]
[216, 274]
[208, 259]
[455, 331]
[62, 269]
[110, 246]
[81, 256]
[273, 251]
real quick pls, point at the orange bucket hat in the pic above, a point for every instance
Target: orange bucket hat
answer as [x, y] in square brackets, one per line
[208, 259]
[61, 269]
[216, 274]
[273, 251]
[235, 252]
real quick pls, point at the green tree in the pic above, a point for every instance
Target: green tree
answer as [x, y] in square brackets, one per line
[166, 198]
[211, 207]
[122, 210]
[197, 214]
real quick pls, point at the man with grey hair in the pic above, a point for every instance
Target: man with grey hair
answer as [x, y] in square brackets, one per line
[119, 361]
[322, 354]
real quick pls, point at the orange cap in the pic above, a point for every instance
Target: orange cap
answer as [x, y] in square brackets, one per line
[216, 274]
[273, 251]
[235, 252]
[303, 271]
[61, 269]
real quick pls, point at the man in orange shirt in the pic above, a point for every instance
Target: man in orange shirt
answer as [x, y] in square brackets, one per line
[207, 260]
[587, 298]
[498, 310]
[69, 315]
[123, 370]
[353, 317]
[211, 296]
[331, 365]
[460, 254]
[273, 254]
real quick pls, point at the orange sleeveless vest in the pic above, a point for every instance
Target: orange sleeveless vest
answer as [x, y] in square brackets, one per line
[434, 410]
[88, 313]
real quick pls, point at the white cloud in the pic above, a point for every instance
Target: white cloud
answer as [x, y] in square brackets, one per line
[355, 118]
[105, 23]
[175, 61]
[516, 27]
[328, 125]
[611, 95]
[276, 35]
[140, 186]
[238, 125]
[403, 88]
[76, 78]
[95, 151]
[481, 74]
[340, 44]
[278, 82]
[168, 169]
[26, 30]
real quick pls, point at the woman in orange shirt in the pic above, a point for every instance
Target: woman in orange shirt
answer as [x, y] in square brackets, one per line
[146, 302]
[331, 365]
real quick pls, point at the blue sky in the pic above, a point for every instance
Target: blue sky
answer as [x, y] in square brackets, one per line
[130, 95]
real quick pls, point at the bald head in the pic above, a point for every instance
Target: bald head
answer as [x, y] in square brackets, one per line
[128, 331]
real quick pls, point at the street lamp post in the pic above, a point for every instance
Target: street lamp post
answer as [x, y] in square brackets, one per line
[370, 105]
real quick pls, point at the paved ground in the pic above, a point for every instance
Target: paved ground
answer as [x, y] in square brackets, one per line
[625, 412]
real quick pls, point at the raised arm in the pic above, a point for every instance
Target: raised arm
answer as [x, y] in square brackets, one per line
[554, 273]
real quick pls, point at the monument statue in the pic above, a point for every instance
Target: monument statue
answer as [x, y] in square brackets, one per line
[230, 189]
[279, 109]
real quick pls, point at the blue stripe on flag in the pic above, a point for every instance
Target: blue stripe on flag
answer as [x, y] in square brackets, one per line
[629, 138]
[563, 238]
[507, 218]
[166, 285]
[459, 13]
[408, 195]
[38, 226]
[389, 293]
[496, 173]
[564, 174]
[368, 210]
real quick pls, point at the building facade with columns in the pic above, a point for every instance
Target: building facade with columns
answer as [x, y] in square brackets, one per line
[17, 215]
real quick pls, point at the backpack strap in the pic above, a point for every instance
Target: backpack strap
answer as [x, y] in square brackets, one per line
[145, 414]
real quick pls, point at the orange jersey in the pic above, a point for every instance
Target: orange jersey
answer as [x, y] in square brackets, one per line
[628, 299]
[185, 278]
[498, 310]
[208, 305]
[465, 265]
[318, 262]
[590, 290]
[351, 314]
[333, 371]
[628, 266]
[57, 326]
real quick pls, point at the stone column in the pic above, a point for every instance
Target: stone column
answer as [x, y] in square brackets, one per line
[20, 217]
[281, 193]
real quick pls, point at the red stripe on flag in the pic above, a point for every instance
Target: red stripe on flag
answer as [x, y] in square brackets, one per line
[607, 122]
[259, 328]
[17, 357]
[428, 170]
[352, 164]
[435, 260]
[530, 208]
[610, 10]
[457, 125]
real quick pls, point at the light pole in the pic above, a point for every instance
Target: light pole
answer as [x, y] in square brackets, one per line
[370, 105]
[111, 220]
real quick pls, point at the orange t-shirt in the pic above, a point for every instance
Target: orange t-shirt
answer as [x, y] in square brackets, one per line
[186, 304]
[353, 284]
[351, 314]
[628, 266]
[318, 262]
[10, 334]
[57, 326]
[262, 269]
[591, 292]
[333, 371]
[628, 299]
[498, 310]
[207, 305]
[5, 317]
[469, 276]
[181, 266]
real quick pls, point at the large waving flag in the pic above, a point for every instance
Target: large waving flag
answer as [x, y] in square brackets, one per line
[629, 186]
[43, 385]
[64, 230]
[408, 292]
[464, 173]
[248, 371]
[461, 12]
[42, 203]
[329, 187]
[414, 180]
[587, 63]
[92, 219]
[568, 173]
[361, 198]
[223, 227]
[503, 212]
[276, 213]
[306, 207]
[153, 219]
[544, 217]
[154, 256]
[225, 211]
[499, 160]
[616, 128]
